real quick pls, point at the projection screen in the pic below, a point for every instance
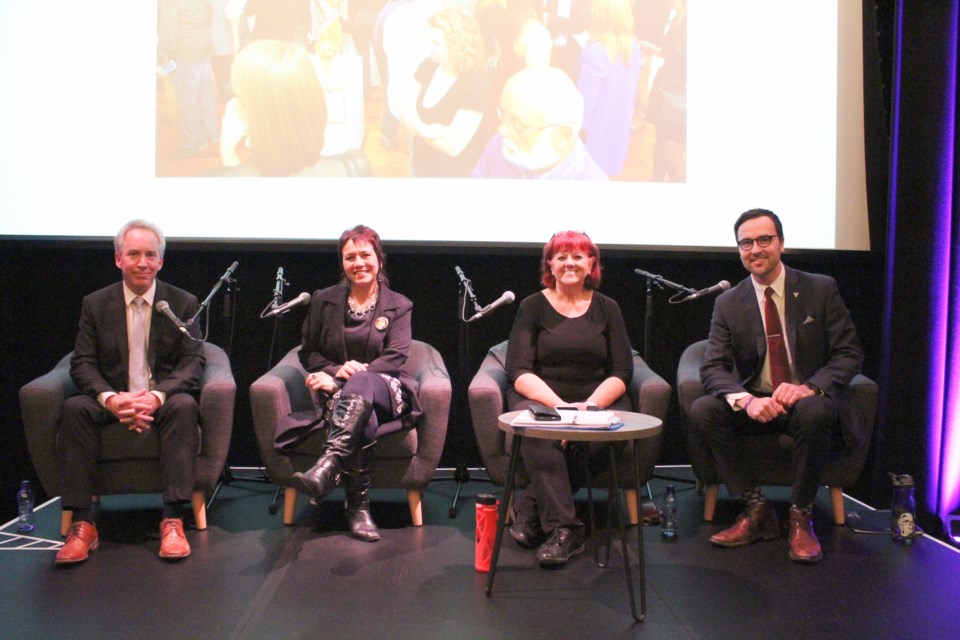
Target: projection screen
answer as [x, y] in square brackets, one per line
[774, 119]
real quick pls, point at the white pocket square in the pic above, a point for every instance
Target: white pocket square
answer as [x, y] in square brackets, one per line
[808, 320]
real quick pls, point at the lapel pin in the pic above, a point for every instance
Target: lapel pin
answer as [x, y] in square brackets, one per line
[381, 323]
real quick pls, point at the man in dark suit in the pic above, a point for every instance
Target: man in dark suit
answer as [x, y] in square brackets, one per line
[761, 377]
[135, 367]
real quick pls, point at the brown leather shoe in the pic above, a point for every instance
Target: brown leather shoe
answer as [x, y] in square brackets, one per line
[82, 538]
[173, 544]
[804, 546]
[758, 521]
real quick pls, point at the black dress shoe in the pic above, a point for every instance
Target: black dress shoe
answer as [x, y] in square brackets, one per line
[563, 544]
[529, 535]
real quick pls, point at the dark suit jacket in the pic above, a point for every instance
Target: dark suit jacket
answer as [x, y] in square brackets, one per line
[822, 339]
[323, 347]
[100, 357]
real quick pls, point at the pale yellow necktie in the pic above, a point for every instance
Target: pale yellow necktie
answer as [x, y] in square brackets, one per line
[138, 376]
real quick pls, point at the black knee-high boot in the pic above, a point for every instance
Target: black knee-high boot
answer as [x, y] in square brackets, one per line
[346, 432]
[356, 481]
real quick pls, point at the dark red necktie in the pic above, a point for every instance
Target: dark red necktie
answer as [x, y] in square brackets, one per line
[776, 347]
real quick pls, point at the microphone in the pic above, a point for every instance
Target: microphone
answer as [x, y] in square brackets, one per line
[721, 286]
[164, 307]
[468, 293]
[506, 298]
[230, 270]
[303, 298]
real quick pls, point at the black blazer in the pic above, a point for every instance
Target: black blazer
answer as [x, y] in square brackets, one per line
[100, 357]
[323, 347]
[822, 339]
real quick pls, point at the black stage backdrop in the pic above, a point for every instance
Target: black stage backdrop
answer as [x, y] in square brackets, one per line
[45, 282]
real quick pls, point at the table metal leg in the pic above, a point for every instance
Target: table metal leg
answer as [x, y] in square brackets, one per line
[615, 490]
[504, 505]
[640, 559]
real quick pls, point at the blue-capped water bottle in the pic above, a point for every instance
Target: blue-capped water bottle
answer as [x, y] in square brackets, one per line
[25, 502]
[668, 515]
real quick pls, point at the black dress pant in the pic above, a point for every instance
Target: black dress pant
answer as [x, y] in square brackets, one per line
[811, 423]
[78, 447]
[555, 473]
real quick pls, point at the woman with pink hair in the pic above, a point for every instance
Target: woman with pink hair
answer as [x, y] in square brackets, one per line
[568, 347]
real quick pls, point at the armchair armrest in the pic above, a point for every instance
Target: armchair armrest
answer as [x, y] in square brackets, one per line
[486, 395]
[218, 392]
[41, 401]
[649, 393]
[273, 395]
[435, 394]
[864, 393]
[689, 387]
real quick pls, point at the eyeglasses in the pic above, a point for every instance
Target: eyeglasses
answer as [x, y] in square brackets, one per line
[520, 129]
[763, 242]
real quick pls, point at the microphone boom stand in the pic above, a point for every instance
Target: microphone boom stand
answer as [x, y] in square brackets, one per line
[653, 279]
[227, 476]
[461, 474]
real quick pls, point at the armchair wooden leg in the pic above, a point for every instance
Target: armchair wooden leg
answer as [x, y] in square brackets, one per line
[289, 504]
[199, 501]
[710, 501]
[414, 498]
[633, 506]
[836, 499]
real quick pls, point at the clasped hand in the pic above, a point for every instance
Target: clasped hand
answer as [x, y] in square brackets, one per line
[765, 410]
[322, 381]
[134, 409]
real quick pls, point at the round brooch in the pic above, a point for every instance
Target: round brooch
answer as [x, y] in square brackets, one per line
[381, 323]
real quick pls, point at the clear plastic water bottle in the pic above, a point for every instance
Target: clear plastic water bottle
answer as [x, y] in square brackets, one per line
[668, 515]
[25, 502]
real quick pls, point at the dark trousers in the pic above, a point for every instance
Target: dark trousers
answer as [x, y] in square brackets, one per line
[556, 473]
[78, 447]
[375, 390]
[811, 423]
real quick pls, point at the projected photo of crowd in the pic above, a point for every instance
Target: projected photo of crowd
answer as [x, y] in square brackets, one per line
[525, 89]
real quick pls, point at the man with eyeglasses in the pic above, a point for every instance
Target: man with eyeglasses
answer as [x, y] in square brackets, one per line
[541, 112]
[781, 354]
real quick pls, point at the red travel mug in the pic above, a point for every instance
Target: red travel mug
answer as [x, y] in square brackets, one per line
[486, 530]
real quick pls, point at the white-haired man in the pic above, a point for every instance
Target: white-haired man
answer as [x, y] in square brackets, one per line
[541, 112]
[132, 366]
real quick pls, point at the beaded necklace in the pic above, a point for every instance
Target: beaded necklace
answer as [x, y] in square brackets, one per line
[360, 311]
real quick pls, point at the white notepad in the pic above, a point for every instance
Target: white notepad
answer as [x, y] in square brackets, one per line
[570, 420]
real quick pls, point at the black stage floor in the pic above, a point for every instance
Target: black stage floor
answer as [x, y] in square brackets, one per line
[251, 577]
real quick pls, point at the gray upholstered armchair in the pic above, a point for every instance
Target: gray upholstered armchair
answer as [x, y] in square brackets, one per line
[406, 459]
[772, 451]
[649, 394]
[131, 465]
